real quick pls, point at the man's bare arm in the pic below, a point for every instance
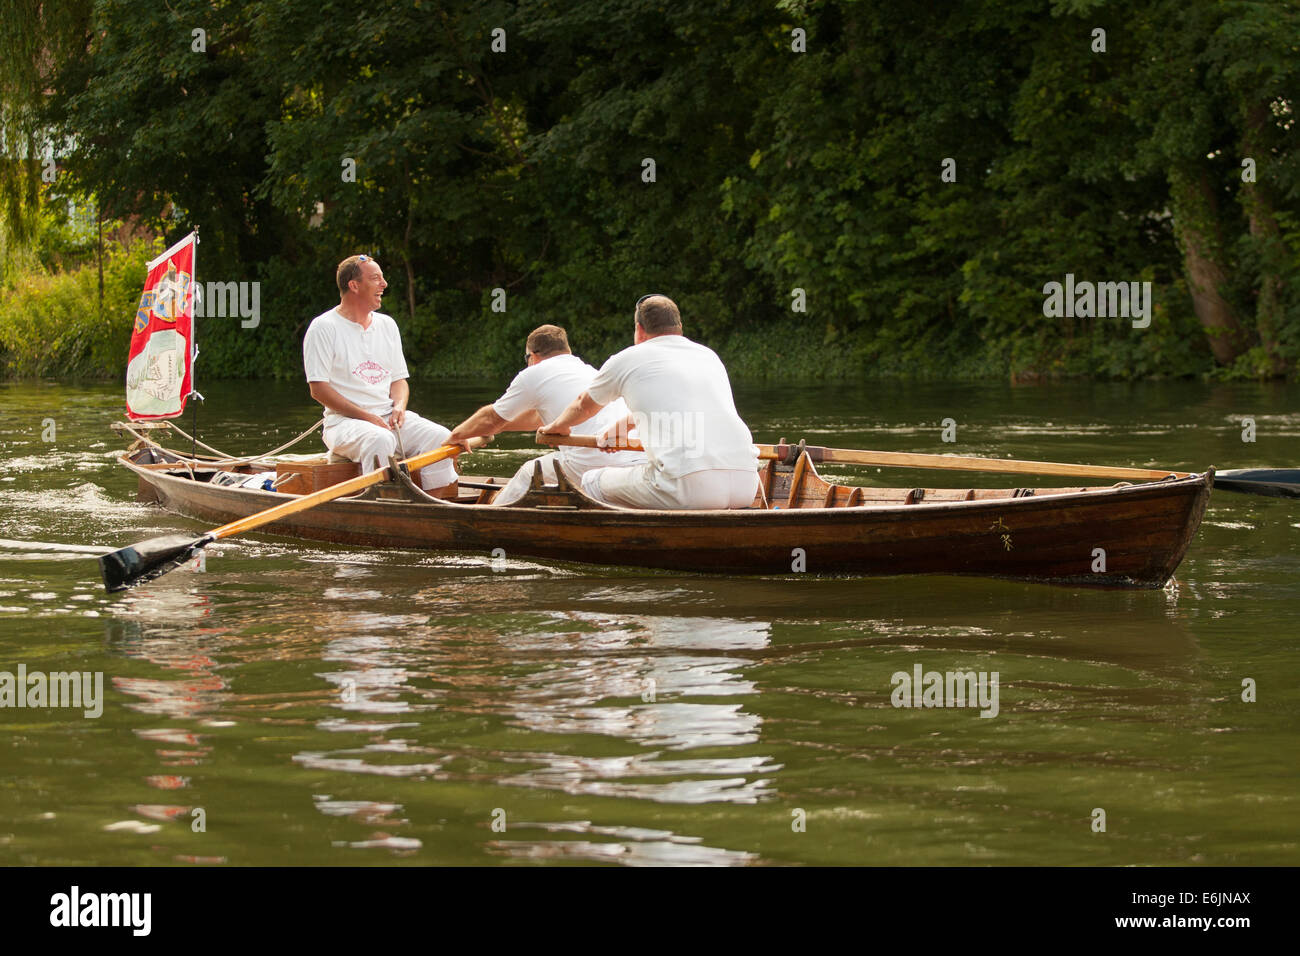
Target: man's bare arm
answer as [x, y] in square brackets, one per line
[580, 409]
[529, 421]
[329, 396]
[400, 392]
[485, 421]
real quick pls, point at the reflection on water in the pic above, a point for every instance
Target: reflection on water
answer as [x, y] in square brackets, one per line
[627, 686]
[334, 705]
[630, 846]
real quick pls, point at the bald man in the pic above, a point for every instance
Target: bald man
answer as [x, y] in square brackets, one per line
[700, 454]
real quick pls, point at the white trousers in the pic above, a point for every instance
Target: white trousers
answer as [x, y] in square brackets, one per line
[518, 486]
[372, 446]
[640, 486]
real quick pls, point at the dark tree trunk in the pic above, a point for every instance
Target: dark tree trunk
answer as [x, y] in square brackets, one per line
[1196, 223]
[1257, 202]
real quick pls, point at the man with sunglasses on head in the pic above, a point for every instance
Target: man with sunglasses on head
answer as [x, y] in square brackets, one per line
[700, 454]
[553, 376]
[356, 369]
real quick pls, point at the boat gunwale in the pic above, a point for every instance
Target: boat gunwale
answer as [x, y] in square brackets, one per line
[1159, 488]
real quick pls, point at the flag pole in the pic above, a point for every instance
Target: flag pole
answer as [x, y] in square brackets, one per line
[194, 397]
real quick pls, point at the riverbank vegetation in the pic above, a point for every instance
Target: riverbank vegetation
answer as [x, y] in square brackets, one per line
[831, 191]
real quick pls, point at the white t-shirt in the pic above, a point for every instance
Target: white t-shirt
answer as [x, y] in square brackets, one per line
[360, 363]
[549, 387]
[680, 396]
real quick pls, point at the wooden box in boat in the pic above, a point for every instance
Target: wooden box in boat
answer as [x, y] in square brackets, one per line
[304, 477]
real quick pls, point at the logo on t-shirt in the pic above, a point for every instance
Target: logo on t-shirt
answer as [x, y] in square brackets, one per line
[370, 372]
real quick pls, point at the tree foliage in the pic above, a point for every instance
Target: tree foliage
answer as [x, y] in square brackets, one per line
[913, 175]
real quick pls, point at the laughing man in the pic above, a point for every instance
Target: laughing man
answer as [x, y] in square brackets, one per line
[356, 369]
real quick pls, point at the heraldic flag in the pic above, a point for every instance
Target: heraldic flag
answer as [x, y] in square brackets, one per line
[160, 364]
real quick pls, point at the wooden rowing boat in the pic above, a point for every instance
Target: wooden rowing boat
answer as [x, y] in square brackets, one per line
[1126, 535]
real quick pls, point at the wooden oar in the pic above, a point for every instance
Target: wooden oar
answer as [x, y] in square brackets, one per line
[1276, 482]
[153, 558]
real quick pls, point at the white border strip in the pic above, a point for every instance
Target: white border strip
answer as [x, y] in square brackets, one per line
[174, 249]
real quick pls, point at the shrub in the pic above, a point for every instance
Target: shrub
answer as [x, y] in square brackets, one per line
[54, 324]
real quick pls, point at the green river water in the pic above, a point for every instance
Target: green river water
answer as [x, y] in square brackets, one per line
[328, 705]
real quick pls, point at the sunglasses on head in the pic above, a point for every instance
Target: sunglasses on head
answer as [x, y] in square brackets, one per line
[636, 309]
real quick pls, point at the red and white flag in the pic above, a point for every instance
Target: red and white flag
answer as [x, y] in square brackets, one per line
[160, 363]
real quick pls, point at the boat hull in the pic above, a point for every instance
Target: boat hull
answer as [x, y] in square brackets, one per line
[1132, 536]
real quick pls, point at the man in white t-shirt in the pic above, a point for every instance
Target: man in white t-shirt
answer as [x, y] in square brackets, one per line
[356, 369]
[701, 455]
[554, 377]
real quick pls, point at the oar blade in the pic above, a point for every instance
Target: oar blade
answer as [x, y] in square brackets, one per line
[1274, 482]
[146, 560]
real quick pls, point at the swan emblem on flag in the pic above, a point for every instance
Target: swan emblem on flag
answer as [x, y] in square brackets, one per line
[167, 300]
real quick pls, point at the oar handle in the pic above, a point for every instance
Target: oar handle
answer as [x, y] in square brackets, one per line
[585, 441]
[590, 441]
[438, 454]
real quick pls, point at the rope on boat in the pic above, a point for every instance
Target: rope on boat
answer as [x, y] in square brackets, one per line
[273, 451]
[221, 456]
[195, 441]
